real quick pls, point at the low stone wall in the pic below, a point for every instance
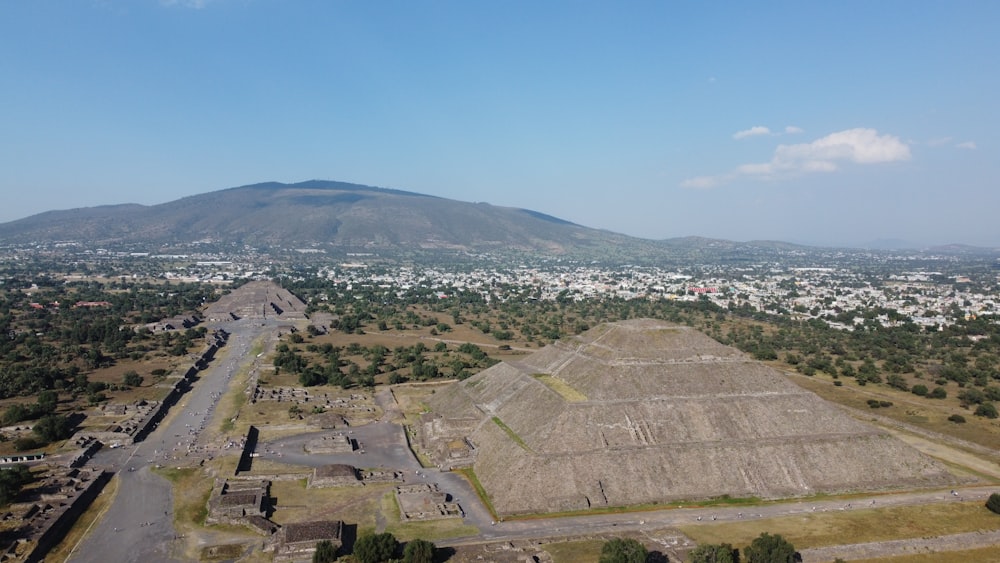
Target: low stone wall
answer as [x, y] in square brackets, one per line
[50, 525]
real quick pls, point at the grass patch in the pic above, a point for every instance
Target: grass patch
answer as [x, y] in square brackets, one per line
[470, 476]
[296, 503]
[584, 551]
[513, 435]
[820, 529]
[561, 387]
[222, 552]
[981, 555]
[191, 489]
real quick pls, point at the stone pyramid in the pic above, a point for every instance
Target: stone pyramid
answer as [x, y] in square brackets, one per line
[641, 412]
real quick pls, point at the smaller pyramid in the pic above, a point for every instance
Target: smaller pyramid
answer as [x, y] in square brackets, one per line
[644, 412]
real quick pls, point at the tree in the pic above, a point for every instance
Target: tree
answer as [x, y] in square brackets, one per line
[988, 410]
[132, 379]
[938, 393]
[769, 549]
[52, 427]
[418, 551]
[375, 548]
[714, 553]
[620, 550]
[993, 503]
[326, 552]
[12, 480]
[47, 401]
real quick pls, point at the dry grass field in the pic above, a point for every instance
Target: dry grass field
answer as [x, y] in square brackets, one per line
[857, 526]
[583, 551]
[983, 555]
[929, 414]
[356, 505]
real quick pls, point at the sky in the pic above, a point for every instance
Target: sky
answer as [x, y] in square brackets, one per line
[828, 123]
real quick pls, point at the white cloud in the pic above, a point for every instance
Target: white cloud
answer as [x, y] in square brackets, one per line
[752, 132]
[970, 145]
[860, 146]
[864, 146]
[793, 130]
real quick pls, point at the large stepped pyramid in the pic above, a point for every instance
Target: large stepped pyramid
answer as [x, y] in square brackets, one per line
[643, 411]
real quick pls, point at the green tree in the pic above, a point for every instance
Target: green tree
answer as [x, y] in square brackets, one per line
[12, 480]
[993, 503]
[938, 393]
[52, 427]
[132, 379]
[48, 400]
[620, 550]
[418, 551]
[989, 410]
[769, 549]
[375, 548]
[326, 552]
[714, 553]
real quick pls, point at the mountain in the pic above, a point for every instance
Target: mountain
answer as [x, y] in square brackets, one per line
[319, 214]
[338, 217]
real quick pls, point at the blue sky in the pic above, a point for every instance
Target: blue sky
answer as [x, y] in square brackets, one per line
[818, 122]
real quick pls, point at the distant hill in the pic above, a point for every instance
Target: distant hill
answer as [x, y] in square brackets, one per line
[340, 217]
[320, 214]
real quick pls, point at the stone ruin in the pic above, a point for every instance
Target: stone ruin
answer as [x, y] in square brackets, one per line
[297, 541]
[642, 411]
[335, 475]
[423, 501]
[326, 445]
[231, 502]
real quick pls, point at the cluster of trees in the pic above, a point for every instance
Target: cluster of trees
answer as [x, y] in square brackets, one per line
[47, 345]
[379, 548]
[325, 364]
[763, 549]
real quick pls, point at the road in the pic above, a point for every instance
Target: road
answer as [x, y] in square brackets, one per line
[138, 526]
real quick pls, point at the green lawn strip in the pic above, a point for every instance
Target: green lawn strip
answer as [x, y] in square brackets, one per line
[470, 476]
[513, 435]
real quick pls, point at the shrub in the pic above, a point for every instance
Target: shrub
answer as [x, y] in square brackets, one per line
[769, 549]
[987, 410]
[619, 550]
[993, 503]
[938, 393]
[418, 551]
[714, 553]
[375, 548]
[957, 418]
[25, 443]
[325, 552]
[919, 389]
